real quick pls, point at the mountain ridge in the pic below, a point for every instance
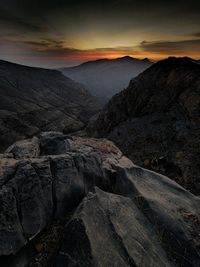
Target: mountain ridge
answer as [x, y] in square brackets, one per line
[155, 120]
[105, 77]
[124, 58]
[32, 99]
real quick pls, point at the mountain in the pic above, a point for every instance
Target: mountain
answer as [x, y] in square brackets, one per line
[156, 120]
[106, 77]
[192, 59]
[71, 201]
[35, 99]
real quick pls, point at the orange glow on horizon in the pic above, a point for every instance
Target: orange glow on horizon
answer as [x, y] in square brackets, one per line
[95, 56]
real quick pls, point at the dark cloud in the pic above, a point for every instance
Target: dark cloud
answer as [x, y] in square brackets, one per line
[52, 48]
[45, 44]
[18, 22]
[196, 34]
[76, 10]
[170, 48]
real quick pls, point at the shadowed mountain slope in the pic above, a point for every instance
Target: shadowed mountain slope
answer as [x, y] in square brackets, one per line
[156, 120]
[35, 99]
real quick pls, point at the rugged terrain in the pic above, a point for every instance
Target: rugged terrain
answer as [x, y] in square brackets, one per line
[35, 99]
[69, 201]
[106, 77]
[156, 120]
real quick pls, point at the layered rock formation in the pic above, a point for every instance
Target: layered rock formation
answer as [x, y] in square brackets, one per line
[120, 214]
[35, 99]
[155, 121]
[106, 77]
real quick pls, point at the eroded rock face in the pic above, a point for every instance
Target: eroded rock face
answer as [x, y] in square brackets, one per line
[45, 177]
[124, 215]
[155, 121]
[147, 222]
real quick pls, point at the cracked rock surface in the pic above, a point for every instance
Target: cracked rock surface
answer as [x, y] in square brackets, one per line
[121, 214]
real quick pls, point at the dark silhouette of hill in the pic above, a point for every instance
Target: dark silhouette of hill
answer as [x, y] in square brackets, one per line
[156, 120]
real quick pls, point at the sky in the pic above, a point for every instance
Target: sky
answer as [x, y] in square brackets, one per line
[60, 33]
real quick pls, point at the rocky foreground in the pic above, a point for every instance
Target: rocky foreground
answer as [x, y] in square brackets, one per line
[69, 201]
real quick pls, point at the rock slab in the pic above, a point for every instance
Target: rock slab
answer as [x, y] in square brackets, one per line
[123, 215]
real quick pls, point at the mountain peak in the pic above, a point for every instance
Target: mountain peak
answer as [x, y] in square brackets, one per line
[176, 61]
[125, 58]
[146, 59]
[92, 62]
[128, 59]
[132, 59]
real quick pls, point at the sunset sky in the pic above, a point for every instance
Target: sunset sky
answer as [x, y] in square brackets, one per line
[63, 33]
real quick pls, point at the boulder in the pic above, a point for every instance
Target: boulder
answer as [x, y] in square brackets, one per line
[120, 214]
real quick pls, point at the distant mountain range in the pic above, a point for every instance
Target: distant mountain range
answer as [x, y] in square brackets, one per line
[105, 77]
[35, 99]
[156, 120]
